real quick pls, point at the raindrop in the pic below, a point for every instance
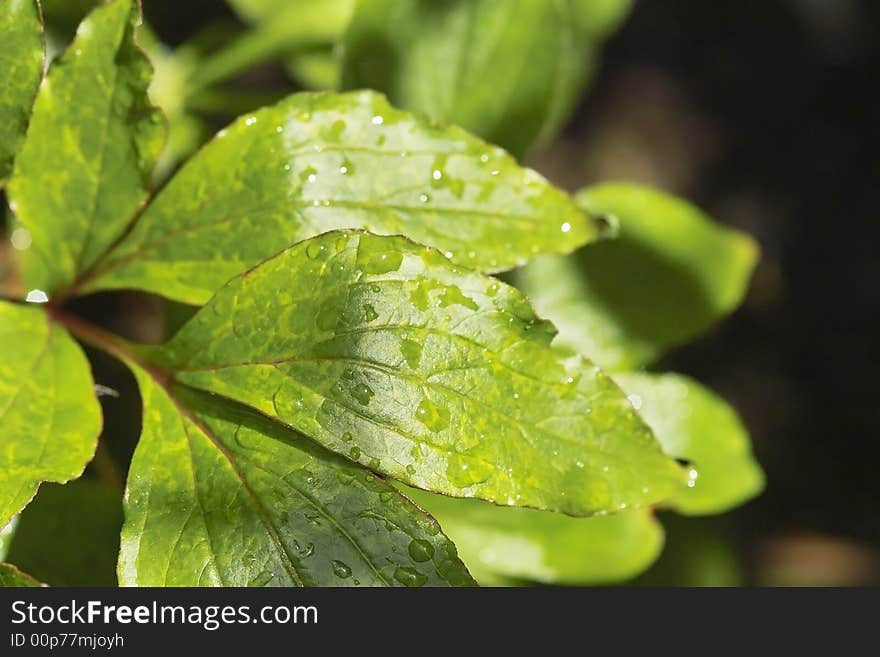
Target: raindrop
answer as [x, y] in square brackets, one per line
[341, 570]
[36, 296]
[420, 550]
[362, 393]
[250, 120]
[21, 239]
[370, 312]
[410, 576]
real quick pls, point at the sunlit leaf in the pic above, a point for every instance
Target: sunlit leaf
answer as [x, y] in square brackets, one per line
[84, 169]
[500, 545]
[316, 162]
[218, 495]
[671, 273]
[384, 351]
[48, 410]
[69, 535]
[694, 424]
[508, 71]
[21, 69]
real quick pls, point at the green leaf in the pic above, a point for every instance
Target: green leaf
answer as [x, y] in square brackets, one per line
[384, 351]
[670, 274]
[69, 535]
[218, 495]
[508, 71]
[48, 410]
[7, 531]
[316, 162]
[85, 167]
[694, 424]
[21, 69]
[499, 544]
[11, 577]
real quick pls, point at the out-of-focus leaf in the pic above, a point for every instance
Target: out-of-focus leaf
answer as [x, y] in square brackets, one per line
[316, 69]
[501, 544]
[69, 535]
[316, 162]
[386, 352]
[670, 274]
[84, 169]
[218, 495]
[48, 410]
[694, 424]
[508, 71]
[12, 577]
[21, 69]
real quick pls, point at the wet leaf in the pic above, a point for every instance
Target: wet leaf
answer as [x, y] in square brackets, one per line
[11, 577]
[316, 162]
[6, 534]
[219, 496]
[508, 71]
[694, 424]
[21, 69]
[84, 169]
[384, 351]
[670, 274]
[501, 546]
[69, 535]
[48, 410]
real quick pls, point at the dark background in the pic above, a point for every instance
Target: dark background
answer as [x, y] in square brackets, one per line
[764, 113]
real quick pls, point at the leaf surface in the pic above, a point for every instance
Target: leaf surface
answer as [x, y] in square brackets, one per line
[317, 162]
[84, 169]
[501, 546]
[21, 69]
[384, 351]
[219, 496]
[694, 424]
[508, 71]
[12, 577]
[48, 410]
[670, 274]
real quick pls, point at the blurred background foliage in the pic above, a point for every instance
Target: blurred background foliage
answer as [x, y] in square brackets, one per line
[762, 113]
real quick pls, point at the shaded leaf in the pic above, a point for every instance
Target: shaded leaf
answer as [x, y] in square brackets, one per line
[218, 495]
[48, 410]
[670, 274]
[12, 577]
[508, 71]
[21, 69]
[499, 544]
[316, 162]
[84, 169]
[694, 424]
[384, 351]
[69, 535]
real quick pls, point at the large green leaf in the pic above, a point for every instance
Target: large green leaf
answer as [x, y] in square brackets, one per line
[218, 495]
[316, 162]
[694, 424]
[508, 71]
[48, 410]
[669, 275]
[384, 351]
[500, 545]
[10, 576]
[85, 167]
[21, 69]
[69, 535]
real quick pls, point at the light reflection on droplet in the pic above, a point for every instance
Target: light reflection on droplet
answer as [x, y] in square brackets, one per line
[21, 239]
[636, 401]
[36, 296]
[378, 120]
[566, 227]
[250, 120]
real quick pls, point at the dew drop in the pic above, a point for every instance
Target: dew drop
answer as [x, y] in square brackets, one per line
[377, 120]
[347, 437]
[362, 393]
[370, 312]
[355, 453]
[412, 352]
[420, 550]
[410, 576]
[340, 569]
[261, 579]
[36, 296]
[20, 239]
[251, 120]
[565, 227]
[435, 418]
[411, 469]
